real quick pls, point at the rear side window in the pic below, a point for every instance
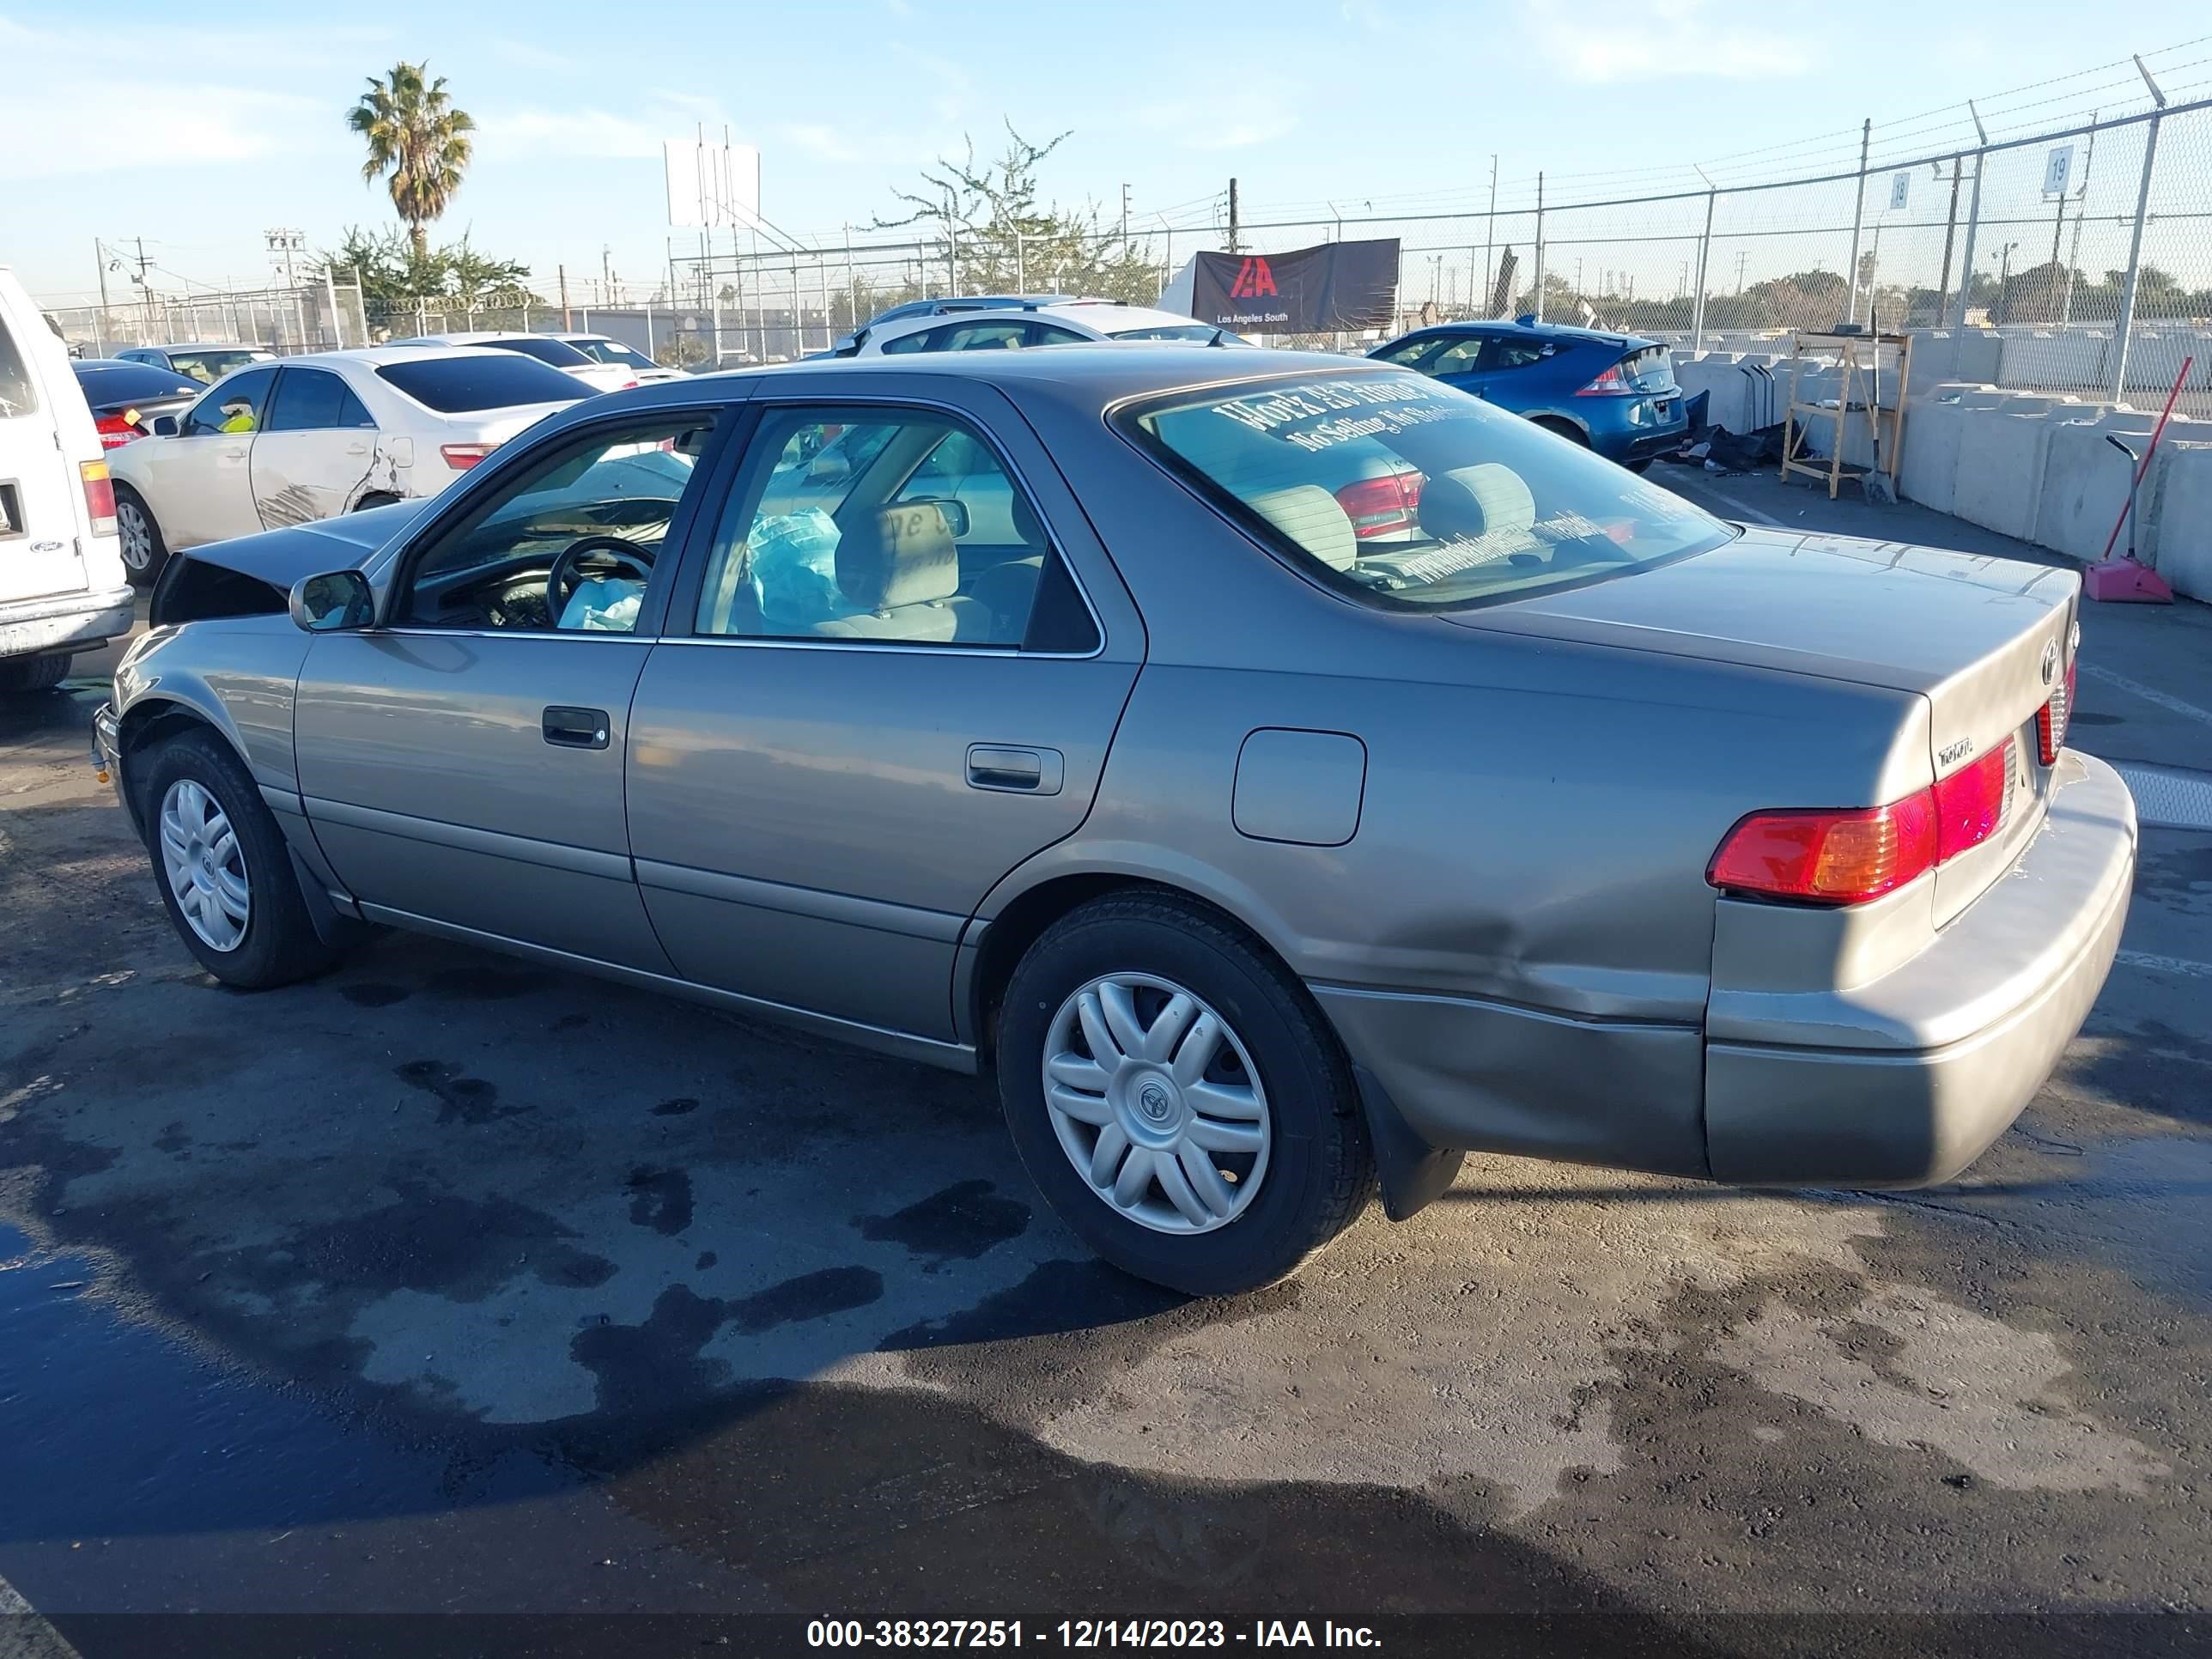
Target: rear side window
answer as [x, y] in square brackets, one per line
[314, 400]
[1411, 494]
[461, 385]
[17, 395]
[209, 367]
[1515, 351]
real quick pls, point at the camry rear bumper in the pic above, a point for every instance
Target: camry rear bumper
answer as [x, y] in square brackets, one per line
[1897, 1083]
[1907, 1080]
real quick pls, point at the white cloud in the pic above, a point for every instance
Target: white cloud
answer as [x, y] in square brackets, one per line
[1602, 41]
[634, 135]
[45, 135]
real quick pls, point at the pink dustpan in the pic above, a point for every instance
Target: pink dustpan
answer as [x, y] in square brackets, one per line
[2124, 582]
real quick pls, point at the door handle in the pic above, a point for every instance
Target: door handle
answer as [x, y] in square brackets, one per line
[233, 454]
[575, 728]
[356, 449]
[1014, 770]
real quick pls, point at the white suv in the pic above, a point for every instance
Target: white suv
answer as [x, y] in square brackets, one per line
[61, 574]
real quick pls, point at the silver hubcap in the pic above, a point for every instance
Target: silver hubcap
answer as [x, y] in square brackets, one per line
[1156, 1104]
[137, 540]
[206, 867]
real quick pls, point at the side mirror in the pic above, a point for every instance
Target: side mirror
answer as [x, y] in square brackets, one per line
[338, 601]
[165, 426]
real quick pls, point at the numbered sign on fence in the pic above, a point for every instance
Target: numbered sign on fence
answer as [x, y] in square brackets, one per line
[2057, 168]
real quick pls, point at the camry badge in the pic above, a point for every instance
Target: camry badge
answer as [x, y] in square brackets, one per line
[2049, 662]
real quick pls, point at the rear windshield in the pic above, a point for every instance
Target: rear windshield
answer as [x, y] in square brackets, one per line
[1407, 492]
[16, 397]
[460, 385]
[209, 367]
[1199, 331]
[559, 353]
[613, 351]
[108, 383]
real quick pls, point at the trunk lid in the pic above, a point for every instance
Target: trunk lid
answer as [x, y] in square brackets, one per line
[1648, 367]
[1987, 641]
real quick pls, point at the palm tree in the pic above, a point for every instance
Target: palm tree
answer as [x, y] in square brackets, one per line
[415, 134]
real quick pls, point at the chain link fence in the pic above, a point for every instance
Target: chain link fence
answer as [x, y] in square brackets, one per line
[307, 317]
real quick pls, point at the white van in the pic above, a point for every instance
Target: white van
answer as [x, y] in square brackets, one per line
[62, 588]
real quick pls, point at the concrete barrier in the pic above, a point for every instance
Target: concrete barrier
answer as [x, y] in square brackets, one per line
[2085, 481]
[2001, 456]
[2182, 549]
[1930, 471]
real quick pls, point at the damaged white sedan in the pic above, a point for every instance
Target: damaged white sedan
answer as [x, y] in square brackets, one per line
[284, 443]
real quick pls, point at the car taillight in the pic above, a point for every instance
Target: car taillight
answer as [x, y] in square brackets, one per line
[1382, 506]
[99, 496]
[115, 431]
[462, 456]
[2053, 718]
[1611, 383]
[1849, 857]
[626, 386]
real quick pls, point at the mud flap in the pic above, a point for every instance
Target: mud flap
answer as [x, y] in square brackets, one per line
[1412, 1172]
[333, 927]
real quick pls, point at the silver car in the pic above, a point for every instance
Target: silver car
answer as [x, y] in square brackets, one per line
[1262, 861]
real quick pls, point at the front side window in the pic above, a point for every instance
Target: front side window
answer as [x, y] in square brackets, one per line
[979, 337]
[1194, 333]
[1409, 493]
[1409, 354]
[571, 544]
[17, 396]
[234, 407]
[894, 526]
[1460, 357]
[314, 400]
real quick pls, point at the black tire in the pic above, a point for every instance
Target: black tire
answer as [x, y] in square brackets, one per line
[128, 502]
[1643, 463]
[375, 498]
[280, 946]
[1320, 1171]
[33, 673]
[1567, 429]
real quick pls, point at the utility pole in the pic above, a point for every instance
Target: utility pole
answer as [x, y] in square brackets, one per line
[1490, 231]
[606, 274]
[1125, 215]
[1858, 212]
[1743, 257]
[2081, 212]
[565, 323]
[100, 333]
[1233, 247]
[1950, 229]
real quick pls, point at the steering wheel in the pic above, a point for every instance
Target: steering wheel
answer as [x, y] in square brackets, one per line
[568, 567]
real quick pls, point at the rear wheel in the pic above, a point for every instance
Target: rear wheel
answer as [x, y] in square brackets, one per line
[1642, 464]
[1177, 1097]
[224, 872]
[1567, 429]
[143, 551]
[33, 673]
[375, 498]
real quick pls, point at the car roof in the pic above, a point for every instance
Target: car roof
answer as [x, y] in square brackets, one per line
[202, 345]
[377, 357]
[1095, 374]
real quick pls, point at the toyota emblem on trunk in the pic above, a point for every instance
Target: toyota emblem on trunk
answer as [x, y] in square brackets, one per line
[2049, 662]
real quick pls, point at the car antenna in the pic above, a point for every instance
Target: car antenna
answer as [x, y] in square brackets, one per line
[1216, 340]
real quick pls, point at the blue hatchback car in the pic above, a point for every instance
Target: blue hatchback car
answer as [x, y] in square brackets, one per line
[1614, 394]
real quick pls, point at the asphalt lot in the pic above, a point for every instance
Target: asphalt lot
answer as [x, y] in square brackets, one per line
[452, 1285]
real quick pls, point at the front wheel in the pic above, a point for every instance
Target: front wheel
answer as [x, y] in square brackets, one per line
[224, 869]
[1178, 1098]
[33, 673]
[139, 537]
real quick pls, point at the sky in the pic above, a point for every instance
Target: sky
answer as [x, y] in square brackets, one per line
[198, 130]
